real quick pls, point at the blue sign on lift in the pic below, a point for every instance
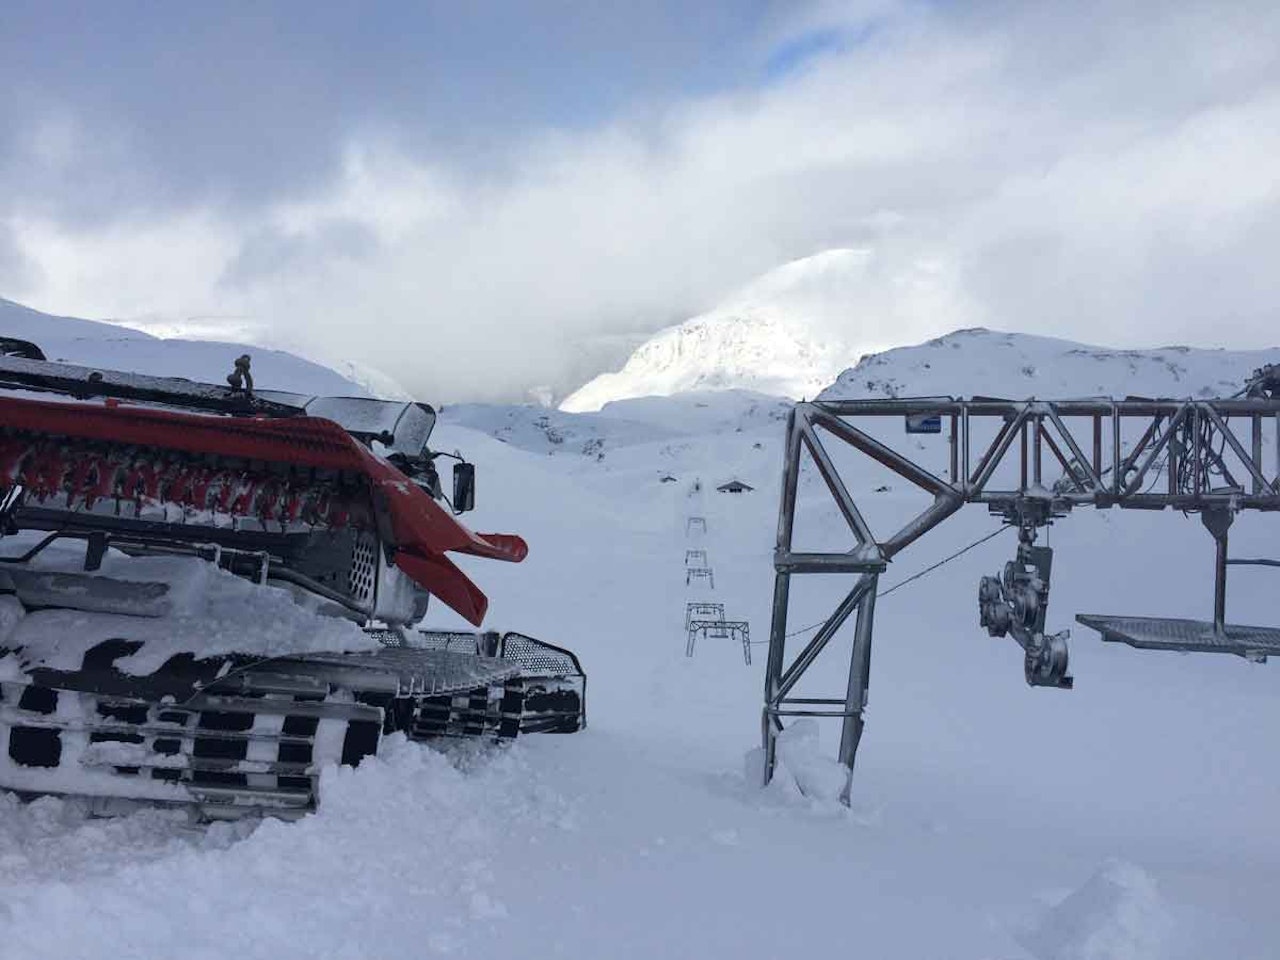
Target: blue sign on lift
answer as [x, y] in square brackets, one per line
[924, 423]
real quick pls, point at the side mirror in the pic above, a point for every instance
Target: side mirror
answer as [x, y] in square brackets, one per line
[464, 487]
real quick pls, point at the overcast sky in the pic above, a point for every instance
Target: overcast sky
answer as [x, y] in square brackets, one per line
[474, 196]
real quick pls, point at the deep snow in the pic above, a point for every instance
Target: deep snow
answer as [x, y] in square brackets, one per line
[1131, 818]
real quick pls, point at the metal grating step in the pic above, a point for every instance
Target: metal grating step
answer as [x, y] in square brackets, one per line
[221, 803]
[408, 671]
[1193, 636]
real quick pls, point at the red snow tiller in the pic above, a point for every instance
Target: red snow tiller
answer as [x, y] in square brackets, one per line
[208, 593]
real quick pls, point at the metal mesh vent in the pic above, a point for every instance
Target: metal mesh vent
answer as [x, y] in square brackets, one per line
[454, 640]
[536, 657]
[364, 569]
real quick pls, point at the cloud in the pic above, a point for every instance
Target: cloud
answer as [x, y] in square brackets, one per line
[272, 251]
[1100, 172]
[17, 272]
[243, 104]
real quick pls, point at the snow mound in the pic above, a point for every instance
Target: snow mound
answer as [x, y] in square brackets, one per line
[815, 774]
[1116, 915]
[1018, 365]
[113, 347]
[787, 333]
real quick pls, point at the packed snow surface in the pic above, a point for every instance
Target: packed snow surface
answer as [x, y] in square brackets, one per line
[1128, 819]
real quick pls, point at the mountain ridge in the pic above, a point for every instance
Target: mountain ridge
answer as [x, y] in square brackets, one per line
[97, 343]
[1020, 365]
[811, 327]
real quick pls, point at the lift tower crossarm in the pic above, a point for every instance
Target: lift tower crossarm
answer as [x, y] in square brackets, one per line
[1030, 461]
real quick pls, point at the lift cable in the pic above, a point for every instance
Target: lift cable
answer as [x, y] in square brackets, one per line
[916, 576]
[946, 560]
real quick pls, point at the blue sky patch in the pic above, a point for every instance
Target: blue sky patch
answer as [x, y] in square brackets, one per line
[804, 49]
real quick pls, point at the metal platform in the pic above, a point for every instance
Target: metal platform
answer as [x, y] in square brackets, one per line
[1191, 636]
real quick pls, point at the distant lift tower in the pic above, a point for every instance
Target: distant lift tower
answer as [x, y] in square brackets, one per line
[705, 574]
[1042, 459]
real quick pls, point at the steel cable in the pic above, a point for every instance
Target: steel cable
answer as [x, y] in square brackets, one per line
[916, 576]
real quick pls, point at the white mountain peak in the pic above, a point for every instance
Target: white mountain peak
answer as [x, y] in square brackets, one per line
[789, 332]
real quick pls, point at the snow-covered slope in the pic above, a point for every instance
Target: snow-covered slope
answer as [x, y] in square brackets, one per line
[1018, 365]
[1127, 819]
[92, 343]
[543, 430]
[621, 423]
[787, 333]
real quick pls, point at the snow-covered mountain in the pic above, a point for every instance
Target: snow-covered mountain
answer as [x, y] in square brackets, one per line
[1018, 365]
[770, 355]
[963, 363]
[93, 343]
[811, 326]
[787, 333]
